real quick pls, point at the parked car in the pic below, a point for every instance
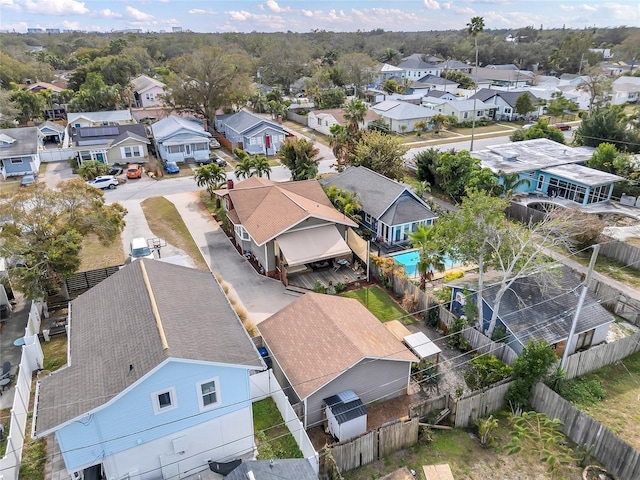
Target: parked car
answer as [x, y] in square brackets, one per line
[27, 180]
[139, 248]
[134, 170]
[217, 160]
[527, 126]
[104, 181]
[213, 143]
[115, 171]
[171, 167]
[562, 126]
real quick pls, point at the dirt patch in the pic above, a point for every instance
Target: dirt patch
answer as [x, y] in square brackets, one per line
[635, 241]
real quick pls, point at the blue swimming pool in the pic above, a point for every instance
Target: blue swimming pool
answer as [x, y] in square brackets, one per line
[410, 258]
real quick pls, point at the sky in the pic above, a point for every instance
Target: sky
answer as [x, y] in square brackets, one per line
[307, 15]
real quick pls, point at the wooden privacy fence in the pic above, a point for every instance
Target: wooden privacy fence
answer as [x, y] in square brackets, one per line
[483, 344]
[480, 404]
[600, 356]
[375, 444]
[620, 251]
[421, 410]
[82, 281]
[615, 454]
[523, 213]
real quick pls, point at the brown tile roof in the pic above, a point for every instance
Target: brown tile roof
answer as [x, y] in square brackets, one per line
[113, 326]
[318, 337]
[266, 208]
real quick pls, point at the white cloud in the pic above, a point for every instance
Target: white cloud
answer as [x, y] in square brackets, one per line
[307, 13]
[71, 25]
[56, 7]
[628, 14]
[578, 8]
[109, 13]
[432, 4]
[463, 10]
[274, 7]
[9, 5]
[199, 11]
[138, 15]
[240, 15]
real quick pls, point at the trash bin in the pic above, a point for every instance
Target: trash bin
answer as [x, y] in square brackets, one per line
[4, 312]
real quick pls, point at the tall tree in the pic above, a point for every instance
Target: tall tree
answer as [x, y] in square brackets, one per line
[354, 114]
[432, 253]
[211, 176]
[607, 125]
[300, 156]
[261, 166]
[474, 28]
[598, 86]
[46, 230]
[341, 144]
[381, 153]
[524, 105]
[207, 80]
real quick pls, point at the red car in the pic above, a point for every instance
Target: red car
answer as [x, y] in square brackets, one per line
[562, 126]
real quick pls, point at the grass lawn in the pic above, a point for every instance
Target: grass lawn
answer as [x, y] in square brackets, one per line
[9, 188]
[612, 268]
[468, 459]
[487, 129]
[619, 410]
[165, 222]
[380, 304]
[272, 437]
[55, 352]
[5, 416]
[96, 255]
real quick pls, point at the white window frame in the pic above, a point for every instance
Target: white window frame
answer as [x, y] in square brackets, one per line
[217, 403]
[242, 233]
[155, 400]
[136, 151]
[149, 96]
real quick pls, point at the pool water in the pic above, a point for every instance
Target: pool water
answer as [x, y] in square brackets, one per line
[410, 258]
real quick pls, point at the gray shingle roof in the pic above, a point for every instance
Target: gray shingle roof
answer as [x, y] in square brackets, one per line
[376, 193]
[291, 468]
[135, 131]
[113, 327]
[243, 121]
[25, 141]
[509, 97]
[116, 116]
[168, 127]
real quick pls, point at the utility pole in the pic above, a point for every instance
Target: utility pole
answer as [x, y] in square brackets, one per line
[583, 294]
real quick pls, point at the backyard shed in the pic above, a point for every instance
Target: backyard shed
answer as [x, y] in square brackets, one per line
[346, 415]
[422, 346]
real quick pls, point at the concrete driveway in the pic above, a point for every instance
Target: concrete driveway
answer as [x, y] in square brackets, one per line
[261, 296]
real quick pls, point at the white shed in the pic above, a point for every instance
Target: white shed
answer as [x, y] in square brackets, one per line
[346, 415]
[422, 346]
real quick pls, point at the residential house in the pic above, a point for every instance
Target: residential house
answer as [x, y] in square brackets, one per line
[279, 469]
[322, 120]
[147, 92]
[99, 119]
[180, 139]
[439, 94]
[113, 144]
[433, 82]
[456, 66]
[625, 90]
[323, 345]
[505, 104]
[36, 87]
[285, 225]
[552, 171]
[402, 116]
[462, 110]
[533, 309]
[504, 77]
[418, 65]
[52, 132]
[19, 149]
[299, 86]
[252, 133]
[389, 209]
[383, 72]
[156, 382]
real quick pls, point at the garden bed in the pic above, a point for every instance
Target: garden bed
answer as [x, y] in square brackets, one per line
[272, 437]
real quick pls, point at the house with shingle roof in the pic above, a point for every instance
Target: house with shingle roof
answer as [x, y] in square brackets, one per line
[322, 345]
[502, 104]
[113, 144]
[402, 116]
[147, 91]
[433, 82]
[254, 134]
[19, 151]
[389, 209]
[322, 120]
[417, 65]
[533, 309]
[99, 119]
[156, 382]
[462, 110]
[180, 139]
[283, 225]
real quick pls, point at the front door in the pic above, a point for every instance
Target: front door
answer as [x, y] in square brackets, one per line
[100, 157]
[187, 150]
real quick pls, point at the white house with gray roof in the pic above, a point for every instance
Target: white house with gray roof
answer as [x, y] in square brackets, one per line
[551, 170]
[156, 383]
[402, 116]
[389, 209]
[254, 134]
[462, 110]
[147, 91]
[502, 104]
[180, 139]
[19, 149]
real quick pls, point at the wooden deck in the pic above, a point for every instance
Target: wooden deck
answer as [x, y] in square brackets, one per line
[308, 278]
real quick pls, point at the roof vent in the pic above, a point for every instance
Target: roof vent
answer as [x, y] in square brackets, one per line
[509, 157]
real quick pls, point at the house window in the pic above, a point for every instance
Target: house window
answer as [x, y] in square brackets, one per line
[131, 152]
[16, 161]
[174, 148]
[164, 400]
[149, 96]
[241, 232]
[507, 110]
[208, 393]
[479, 113]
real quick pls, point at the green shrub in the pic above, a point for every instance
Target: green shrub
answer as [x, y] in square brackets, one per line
[319, 287]
[583, 391]
[499, 334]
[455, 334]
[453, 275]
[432, 315]
[340, 287]
[485, 371]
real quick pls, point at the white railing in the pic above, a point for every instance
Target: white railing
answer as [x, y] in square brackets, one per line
[265, 384]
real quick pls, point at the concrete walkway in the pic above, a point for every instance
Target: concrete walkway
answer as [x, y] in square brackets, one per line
[261, 296]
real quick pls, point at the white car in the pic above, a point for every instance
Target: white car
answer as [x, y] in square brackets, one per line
[104, 181]
[527, 126]
[213, 143]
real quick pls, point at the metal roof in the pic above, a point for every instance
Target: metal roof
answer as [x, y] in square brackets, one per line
[346, 406]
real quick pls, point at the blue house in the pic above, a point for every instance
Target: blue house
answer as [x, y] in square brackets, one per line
[180, 139]
[253, 134]
[531, 310]
[389, 209]
[19, 149]
[551, 170]
[157, 378]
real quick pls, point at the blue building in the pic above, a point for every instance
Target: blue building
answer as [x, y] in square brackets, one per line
[19, 149]
[180, 139]
[255, 135]
[157, 379]
[551, 170]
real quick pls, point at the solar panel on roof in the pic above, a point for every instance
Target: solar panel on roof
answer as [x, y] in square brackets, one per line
[98, 132]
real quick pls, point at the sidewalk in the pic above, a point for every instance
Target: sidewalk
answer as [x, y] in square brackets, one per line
[261, 296]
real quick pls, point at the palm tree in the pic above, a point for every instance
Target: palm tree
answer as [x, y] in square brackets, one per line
[339, 143]
[511, 181]
[354, 114]
[345, 202]
[300, 156]
[261, 166]
[474, 28]
[210, 176]
[431, 254]
[244, 168]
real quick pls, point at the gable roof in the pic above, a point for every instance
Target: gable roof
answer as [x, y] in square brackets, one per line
[109, 135]
[266, 208]
[115, 116]
[317, 337]
[376, 193]
[532, 312]
[244, 121]
[336, 113]
[38, 86]
[510, 98]
[167, 127]
[18, 141]
[502, 75]
[144, 83]
[418, 61]
[107, 336]
[434, 80]
[459, 105]
[55, 127]
[398, 110]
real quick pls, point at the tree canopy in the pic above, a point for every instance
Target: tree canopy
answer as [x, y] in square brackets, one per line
[381, 153]
[301, 157]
